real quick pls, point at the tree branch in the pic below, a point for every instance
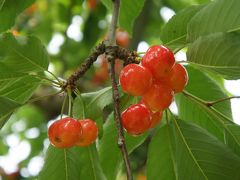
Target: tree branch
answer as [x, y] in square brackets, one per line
[111, 51]
[71, 81]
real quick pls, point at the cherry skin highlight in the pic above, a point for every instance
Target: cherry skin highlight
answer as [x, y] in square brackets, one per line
[159, 60]
[89, 132]
[158, 97]
[136, 119]
[135, 79]
[178, 78]
[65, 132]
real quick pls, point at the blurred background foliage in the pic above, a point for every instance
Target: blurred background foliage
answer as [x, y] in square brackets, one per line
[70, 29]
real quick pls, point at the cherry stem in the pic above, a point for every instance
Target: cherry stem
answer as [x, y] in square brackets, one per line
[63, 106]
[49, 80]
[115, 93]
[54, 76]
[48, 95]
[69, 92]
[78, 94]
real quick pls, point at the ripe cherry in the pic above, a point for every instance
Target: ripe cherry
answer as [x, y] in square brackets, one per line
[136, 119]
[156, 118]
[135, 79]
[159, 60]
[158, 97]
[89, 132]
[92, 4]
[178, 78]
[122, 38]
[65, 132]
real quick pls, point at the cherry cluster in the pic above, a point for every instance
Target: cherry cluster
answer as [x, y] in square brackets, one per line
[156, 79]
[68, 132]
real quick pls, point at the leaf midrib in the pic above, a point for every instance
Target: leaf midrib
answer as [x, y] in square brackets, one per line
[188, 148]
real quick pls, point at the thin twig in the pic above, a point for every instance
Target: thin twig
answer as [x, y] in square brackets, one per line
[209, 103]
[111, 55]
[220, 100]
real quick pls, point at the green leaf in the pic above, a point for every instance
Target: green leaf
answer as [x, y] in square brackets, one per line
[108, 4]
[19, 89]
[109, 152]
[199, 155]
[92, 103]
[129, 11]
[217, 16]
[7, 106]
[233, 140]
[161, 160]
[217, 52]
[9, 10]
[91, 168]
[174, 33]
[190, 111]
[62, 164]
[22, 54]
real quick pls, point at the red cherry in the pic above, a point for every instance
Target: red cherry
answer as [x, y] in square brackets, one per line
[156, 118]
[64, 132]
[178, 78]
[158, 97]
[135, 79]
[159, 60]
[92, 4]
[122, 38]
[136, 119]
[89, 132]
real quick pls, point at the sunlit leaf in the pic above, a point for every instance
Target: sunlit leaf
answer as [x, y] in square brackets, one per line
[217, 16]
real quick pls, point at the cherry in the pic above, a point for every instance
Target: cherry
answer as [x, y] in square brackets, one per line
[89, 132]
[92, 4]
[178, 78]
[158, 97]
[122, 38]
[156, 118]
[136, 119]
[64, 132]
[159, 60]
[135, 79]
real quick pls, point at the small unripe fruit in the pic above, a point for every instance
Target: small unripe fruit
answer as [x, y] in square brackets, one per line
[136, 119]
[158, 97]
[65, 132]
[159, 60]
[89, 132]
[135, 79]
[178, 78]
